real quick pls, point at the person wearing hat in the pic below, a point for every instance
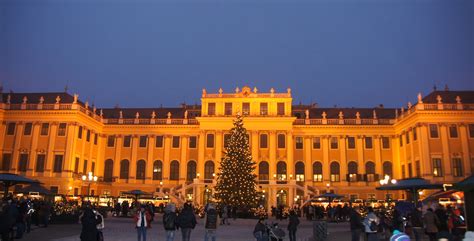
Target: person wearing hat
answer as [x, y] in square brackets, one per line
[211, 222]
[142, 222]
[399, 236]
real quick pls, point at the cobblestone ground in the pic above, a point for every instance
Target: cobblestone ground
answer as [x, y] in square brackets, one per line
[122, 229]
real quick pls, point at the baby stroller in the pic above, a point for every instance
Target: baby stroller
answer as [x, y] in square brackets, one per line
[275, 233]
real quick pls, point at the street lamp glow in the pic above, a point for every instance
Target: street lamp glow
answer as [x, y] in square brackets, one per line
[394, 181]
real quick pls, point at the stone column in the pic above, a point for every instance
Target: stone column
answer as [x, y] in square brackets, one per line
[396, 166]
[16, 147]
[343, 157]
[464, 132]
[184, 158]
[166, 158]
[33, 150]
[325, 147]
[133, 161]
[446, 167]
[201, 153]
[71, 140]
[50, 153]
[360, 154]
[255, 147]
[150, 160]
[424, 149]
[100, 162]
[289, 155]
[118, 155]
[3, 126]
[272, 155]
[308, 162]
[378, 156]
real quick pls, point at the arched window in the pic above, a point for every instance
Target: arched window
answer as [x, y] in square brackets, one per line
[208, 170]
[191, 171]
[281, 171]
[157, 170]
[299, 171]
[108, 170]
[352, 171]
[141, 165]
[317, 172]
[174, 170]
[370, 171]
[263, 172]
[124, 167]
[335, 172]
[387, 169]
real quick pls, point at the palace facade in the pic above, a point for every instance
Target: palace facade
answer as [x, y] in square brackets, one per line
[300, 150]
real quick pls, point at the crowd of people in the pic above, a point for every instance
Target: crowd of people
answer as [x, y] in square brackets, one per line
[17, 216]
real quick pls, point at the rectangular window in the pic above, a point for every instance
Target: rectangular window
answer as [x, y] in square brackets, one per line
[143, 141]
[385, 142]
[280, 108]
[96, 136]
[415, 136]
[417, 169]
[127, 140]
[334, 143]
[457, 167]
[407, 137]
[401, 140]
[58, 163]
[263, 108]
[316, 143]
[62, 129]
[434, 131]
[54, 189]
[27, 130]
[263, 141]
[281, 141]
[403, 171]
[88, 135]
[44, 129]
[23, 163]
[192, 142]
[40, 162]
[84, 167]
[110, 141]
[210, 141]
[410, 170]
[453, 131]
[159, 141]
[351, 142]
[11, 128]
[471, 130]
[6, 161]
[299, 142]
[76, 165]
[368, 143]
[245, 108]
[175, 143]
[79, 133]
[211, 108]
[437, 167]
[226, 140]
[228, 109]
[93, 167]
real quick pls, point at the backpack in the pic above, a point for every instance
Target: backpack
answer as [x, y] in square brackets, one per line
[373, 226]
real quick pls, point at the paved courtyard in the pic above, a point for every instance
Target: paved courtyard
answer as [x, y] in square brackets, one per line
[121, 229]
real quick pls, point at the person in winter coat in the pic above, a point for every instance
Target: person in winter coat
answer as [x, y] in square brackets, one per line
[142, 222]
[260, 230]
[431, 222]
[211, 223]
[186, 221]
[356, 224]
[225, 215]
[89, 225]
[416, 219]
[169, 221]
[293, 225]
[371, 223]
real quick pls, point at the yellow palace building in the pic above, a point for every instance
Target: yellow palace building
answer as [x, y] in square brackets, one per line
[299, 150]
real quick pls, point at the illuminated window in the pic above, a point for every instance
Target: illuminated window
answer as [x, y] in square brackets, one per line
[62, 129]
[281, 171]
[457, 167]
[157, 170]
[437, 167]
[299, 142]
[352, 170]
[263, 108]
[317, 172]
[335, 172]
[370, 171]
[299, 171]
[245, 108]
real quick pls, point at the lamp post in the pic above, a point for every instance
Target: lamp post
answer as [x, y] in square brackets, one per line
[386, 181]
[90, 178]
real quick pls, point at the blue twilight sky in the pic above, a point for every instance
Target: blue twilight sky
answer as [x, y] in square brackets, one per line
[143, 53]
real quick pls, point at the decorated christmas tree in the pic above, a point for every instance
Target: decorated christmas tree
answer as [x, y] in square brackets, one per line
[236, 181]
